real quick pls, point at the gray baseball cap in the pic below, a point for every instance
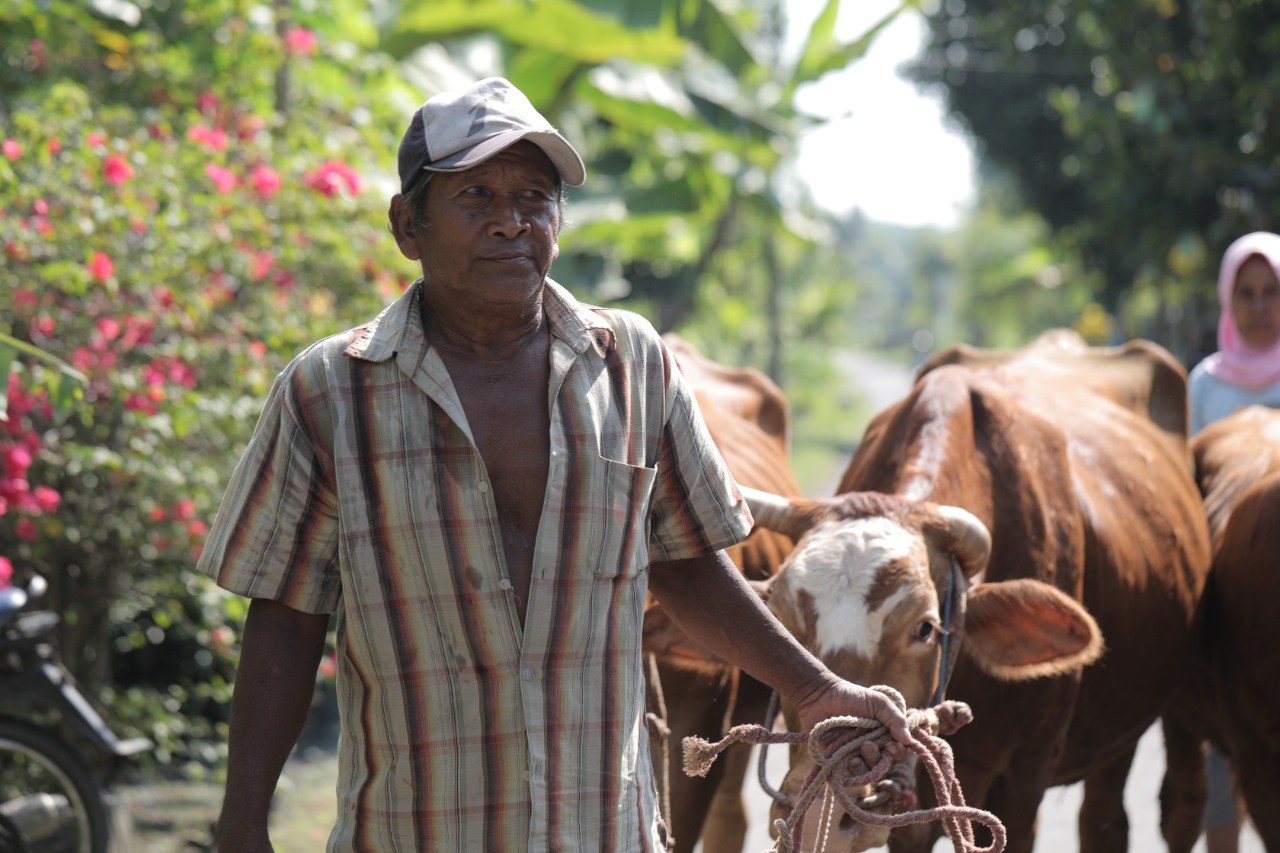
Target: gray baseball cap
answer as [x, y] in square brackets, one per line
[454, 131]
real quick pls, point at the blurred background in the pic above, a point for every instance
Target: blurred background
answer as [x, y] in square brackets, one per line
[193, 190]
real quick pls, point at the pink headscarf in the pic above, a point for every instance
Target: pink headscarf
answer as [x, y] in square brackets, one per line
[1235, 362]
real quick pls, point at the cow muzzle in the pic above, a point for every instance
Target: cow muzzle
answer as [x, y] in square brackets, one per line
[828, 824]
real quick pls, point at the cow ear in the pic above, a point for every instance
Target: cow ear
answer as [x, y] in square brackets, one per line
[1023, 629]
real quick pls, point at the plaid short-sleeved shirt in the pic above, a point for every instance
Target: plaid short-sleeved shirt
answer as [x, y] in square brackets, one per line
[362, 492]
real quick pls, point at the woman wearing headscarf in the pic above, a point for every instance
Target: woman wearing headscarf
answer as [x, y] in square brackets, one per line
[1244, 371]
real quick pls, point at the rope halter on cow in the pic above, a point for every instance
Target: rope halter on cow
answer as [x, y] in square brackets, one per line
[836, 746]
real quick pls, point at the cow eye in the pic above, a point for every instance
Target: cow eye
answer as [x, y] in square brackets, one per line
[924, 631]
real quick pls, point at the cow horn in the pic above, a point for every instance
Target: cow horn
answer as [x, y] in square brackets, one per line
[961, 533]
[775, 512]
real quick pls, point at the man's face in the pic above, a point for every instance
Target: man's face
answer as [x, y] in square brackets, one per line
[491, 230]
[1255, 303]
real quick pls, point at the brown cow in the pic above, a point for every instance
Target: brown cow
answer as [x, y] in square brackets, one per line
[749, 420]
[1076, 460]
[1233, 695]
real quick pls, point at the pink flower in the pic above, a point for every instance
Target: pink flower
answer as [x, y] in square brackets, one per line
[55, 145]
[207, 103]
[141, 404]
[25, 530]
[261, 264]
[209, 137]
[25, 298]
[40, 207]
[100, 266]
[299, 41]
[116, 170]
[11, 149]
[331, 176]
[265, 180]
[17, 459]
[157, 514]
[224, 180]
[182, 374]
[43, 325]
[47, 499]
[108, 327]
[185, 509]
[6, 572]
[197, 528]
[94, 139]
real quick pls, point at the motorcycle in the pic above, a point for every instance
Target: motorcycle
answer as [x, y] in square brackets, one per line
[56, 753]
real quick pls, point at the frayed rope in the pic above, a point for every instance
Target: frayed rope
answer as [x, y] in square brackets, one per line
[836, 746]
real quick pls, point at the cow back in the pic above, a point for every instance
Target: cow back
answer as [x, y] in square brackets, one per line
[1137, 375]
[1232, 456]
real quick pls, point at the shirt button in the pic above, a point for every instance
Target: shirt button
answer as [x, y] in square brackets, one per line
[484, 487]
[504, 584]
[527, 673]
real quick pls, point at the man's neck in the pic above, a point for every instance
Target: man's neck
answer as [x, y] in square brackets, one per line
[487, 332]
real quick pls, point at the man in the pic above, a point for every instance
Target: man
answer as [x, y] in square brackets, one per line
[482, 482]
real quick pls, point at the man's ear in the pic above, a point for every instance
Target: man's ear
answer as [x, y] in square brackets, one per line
[400, 217]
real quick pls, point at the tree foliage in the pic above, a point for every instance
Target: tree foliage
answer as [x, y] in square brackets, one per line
[1144, 133]
[685, 111]
[173, 237]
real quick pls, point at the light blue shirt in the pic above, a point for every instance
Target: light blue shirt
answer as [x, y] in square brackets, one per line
[1212, 399]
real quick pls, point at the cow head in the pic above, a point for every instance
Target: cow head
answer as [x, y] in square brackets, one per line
[877, 586]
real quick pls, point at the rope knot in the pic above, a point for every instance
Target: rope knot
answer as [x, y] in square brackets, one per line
[848, 754]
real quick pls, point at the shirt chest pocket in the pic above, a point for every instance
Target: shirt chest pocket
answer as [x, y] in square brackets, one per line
[624, 494]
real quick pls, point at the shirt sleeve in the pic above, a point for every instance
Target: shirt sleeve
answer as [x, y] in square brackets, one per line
[696, 507]
[276, 533]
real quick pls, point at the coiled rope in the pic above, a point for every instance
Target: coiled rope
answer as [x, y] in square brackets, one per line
[836, 746]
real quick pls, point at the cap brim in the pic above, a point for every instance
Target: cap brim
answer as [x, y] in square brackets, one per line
[558, 150]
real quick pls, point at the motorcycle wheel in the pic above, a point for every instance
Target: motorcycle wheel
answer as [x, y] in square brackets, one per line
[50, 800]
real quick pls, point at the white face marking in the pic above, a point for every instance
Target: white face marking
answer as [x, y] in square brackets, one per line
[836, 564]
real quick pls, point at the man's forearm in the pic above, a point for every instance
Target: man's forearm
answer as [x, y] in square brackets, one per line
[711, 602]
[275, 680]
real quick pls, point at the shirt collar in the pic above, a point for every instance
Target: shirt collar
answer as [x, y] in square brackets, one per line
[399, 326]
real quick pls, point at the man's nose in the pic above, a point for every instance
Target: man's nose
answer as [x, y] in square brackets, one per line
[507, 220]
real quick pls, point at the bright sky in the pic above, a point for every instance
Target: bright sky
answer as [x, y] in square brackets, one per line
[886, 149]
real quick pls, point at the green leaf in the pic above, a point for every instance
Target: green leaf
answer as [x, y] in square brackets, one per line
[559, 26]
[823, 52]
[719, 36]
[65, 393]
[7, 357]
[15, 346]
[543, 75]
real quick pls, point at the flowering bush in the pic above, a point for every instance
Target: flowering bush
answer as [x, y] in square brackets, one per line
[175, 240]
